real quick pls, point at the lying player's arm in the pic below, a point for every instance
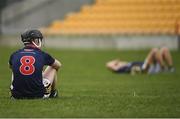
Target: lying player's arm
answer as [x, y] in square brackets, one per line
[56, 65]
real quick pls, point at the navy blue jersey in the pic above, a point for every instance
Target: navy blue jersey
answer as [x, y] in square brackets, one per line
[127, 68]
[27, 66]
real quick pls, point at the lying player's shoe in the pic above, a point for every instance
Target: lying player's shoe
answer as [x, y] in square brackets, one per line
[54, 94]
[171, 69]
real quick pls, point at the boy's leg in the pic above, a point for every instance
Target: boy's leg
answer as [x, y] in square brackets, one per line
[167, 59]
[150, 58]
[159, 59]
[166, 55]
[51, 74]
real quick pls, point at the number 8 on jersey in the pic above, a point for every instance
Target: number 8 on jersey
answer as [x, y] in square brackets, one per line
[27, 65]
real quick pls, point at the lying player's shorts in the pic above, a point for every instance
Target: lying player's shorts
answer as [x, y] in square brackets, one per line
[129, 66]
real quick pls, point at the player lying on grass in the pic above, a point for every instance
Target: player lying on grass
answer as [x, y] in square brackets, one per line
[27, 65]
[158, 60]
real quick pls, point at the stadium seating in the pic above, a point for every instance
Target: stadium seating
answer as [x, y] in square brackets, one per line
[121, 17]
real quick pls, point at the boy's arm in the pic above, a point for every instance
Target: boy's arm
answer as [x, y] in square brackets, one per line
[57, 64]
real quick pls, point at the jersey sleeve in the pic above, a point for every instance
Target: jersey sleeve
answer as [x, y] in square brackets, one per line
[49, 60]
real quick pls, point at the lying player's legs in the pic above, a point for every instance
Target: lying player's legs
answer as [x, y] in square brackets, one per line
[159, 59]
[165, 53]
[150, 58]
[51, 74]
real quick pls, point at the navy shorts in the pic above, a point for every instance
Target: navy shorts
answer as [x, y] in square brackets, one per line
[128, 67]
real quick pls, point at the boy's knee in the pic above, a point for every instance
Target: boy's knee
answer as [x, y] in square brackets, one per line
[164, 49]
[154, 50]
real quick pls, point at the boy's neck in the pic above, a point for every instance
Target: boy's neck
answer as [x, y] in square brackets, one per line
[31, 46]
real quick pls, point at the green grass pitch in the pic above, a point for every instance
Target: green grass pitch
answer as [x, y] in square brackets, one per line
[88, 89]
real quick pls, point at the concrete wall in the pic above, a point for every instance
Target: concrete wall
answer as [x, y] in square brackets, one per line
[37, 13]
[102, 42]
[114, 42]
